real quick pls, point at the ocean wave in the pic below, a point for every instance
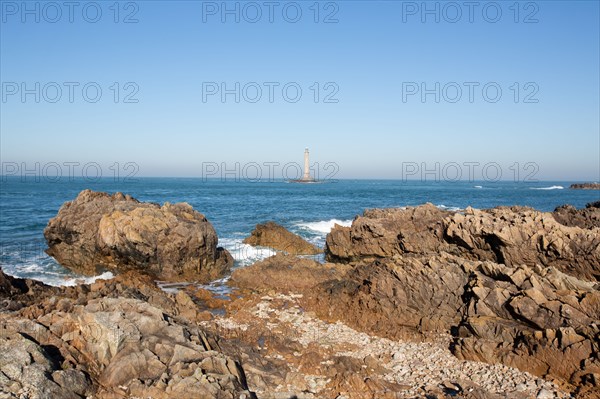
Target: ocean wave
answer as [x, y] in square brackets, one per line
[548, 188]
[245, 254]
[477, 186]
[324, 226]
[85, 280]
[449, 208]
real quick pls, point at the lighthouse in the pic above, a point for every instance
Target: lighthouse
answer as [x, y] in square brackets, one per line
[306, 176]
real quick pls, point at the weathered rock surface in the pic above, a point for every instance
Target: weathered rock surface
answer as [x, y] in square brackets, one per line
[285, 273]
[397, 298]
[287, 352]
[509, 235]
[93, 341]
[275, 236]
[586, 218]
[585, 186]
[515, 236]
[117, 232]
[514, 285]
[385, 233]
[536, 319]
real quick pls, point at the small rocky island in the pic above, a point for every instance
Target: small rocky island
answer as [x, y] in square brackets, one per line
[410, 303]
[585, 186]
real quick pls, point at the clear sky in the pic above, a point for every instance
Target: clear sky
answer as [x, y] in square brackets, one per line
[362, 67]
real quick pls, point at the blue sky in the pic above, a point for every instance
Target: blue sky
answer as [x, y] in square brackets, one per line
[368, 61]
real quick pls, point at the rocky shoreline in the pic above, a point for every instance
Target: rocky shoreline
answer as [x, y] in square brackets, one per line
[410, 303]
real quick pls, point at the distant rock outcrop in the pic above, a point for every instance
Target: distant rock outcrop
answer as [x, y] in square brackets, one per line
[117, 232]
[275, 236]
[585, 186]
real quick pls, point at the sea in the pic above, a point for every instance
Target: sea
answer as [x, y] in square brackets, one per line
[234, 207]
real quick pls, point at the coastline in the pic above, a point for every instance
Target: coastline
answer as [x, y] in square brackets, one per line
[403, 297]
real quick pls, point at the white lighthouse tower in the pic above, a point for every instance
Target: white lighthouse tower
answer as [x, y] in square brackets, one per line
[306, 176]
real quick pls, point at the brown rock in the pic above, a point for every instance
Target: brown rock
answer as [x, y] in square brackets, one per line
[396, 298]
[585, 186]
[586, 218]
[117, 232]
[382, 233]
[275, 236]
[517, 235]
[550, 330]
[285, 273]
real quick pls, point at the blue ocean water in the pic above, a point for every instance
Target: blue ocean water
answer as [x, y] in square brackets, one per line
[235, 207]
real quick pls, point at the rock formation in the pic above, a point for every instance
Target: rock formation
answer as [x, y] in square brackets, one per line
[117, 232]
[585, 186]
[382, 233]
[275, 236]
[512, 284]
[285, 273]
[110, 340]
[509, 235]
[586, 218]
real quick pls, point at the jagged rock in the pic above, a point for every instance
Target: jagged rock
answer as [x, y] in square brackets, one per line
[509, 235]
[275, 236]
[586, 218]
[383, 233]
[29, 370]
[396, 298]
[117, 232]
[95, 341]
[518, 235]
[285, 273]
[536, 319]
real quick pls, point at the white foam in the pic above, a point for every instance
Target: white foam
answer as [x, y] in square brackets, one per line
[449, 208]
[478, 186]
[325, 226]
[84, 280]
[548, 188]
[245, 254]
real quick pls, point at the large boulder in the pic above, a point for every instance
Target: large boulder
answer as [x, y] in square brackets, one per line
[383, 233]
[275, 236]
[117, 232]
